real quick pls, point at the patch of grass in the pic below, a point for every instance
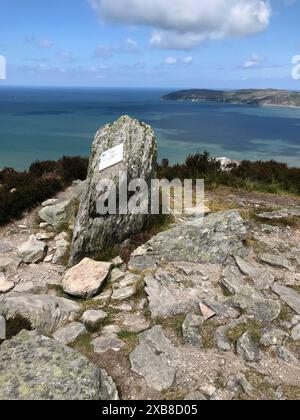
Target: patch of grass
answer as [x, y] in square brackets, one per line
[83, 345]
[296, 288]
[174, 324]
[220, 381]
[286, 313]
[261, 389]
[173, 395]
[254, 327]
[130, 338]
[208, 331]
[291, 393]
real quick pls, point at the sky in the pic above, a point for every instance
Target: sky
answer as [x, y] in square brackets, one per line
[158, 43]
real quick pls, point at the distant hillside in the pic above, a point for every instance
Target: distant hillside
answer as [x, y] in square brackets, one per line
[249, 96]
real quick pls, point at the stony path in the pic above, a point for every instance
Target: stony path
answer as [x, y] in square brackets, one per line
[204, 310]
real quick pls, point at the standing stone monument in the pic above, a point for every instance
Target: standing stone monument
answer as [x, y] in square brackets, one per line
[129, 147]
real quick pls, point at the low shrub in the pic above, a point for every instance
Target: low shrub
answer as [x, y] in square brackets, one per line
[22, 191]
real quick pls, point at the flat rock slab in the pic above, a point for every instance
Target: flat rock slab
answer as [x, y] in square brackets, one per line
[9, 264]
[5, 247]
[209, 240]
[167, 298]
[280, 214]
[32, 287]
[86, 278]
[289, 296]
[106, 342]
[124, 293]
[275, 260]
[69, 334]
[46, 313]
[34, 367]
[156, 359]
[5, 285]
[135, 322]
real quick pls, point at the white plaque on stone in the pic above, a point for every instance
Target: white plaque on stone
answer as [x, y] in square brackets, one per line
[112, 157]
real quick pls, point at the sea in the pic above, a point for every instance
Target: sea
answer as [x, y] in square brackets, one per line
[48, 123]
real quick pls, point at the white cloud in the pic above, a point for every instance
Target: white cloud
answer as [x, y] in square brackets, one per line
[129, 46]
[254, 61]
[170, 61]
[187, 60]
[182, 24]
[40, 42]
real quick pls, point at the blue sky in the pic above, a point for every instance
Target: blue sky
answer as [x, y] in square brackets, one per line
[158, 43]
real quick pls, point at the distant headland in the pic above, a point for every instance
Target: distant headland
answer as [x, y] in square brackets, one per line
[271, 97]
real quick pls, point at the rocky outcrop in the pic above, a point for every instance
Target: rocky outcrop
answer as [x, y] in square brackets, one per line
[34, 367]
[211, 240]
[95, 232]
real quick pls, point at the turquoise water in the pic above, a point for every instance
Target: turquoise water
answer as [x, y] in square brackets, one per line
[49, 123]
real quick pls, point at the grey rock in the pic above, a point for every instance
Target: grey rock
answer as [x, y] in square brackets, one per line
[222, 309]
[275, 260]
[191, 330]
[69, 334]
[93, 318]
[32, 251]
[106, 342]
[248, 349]
[117, 275]
[34, 367]
[5, 247]
[221, 336]
[195, 396]
[135, 322]
[289, 296]
[167, 298]
[254, 304]
[272, 336]
[280, 214]
[62, 251]
[207, 390]
[232, 281]
[103, 298]
[124, 293]
[155, 359]
[46, 313]
[284, 354]
[209, 240]
[2, 328]
[5, 285]
[33, 287]
[50, 202]
[237, 382]
[129, 280]
[261, 278]
[93, 231]
[86, 278]
[271, 230]
[296, 333]
[60, 214]
[9, 264]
